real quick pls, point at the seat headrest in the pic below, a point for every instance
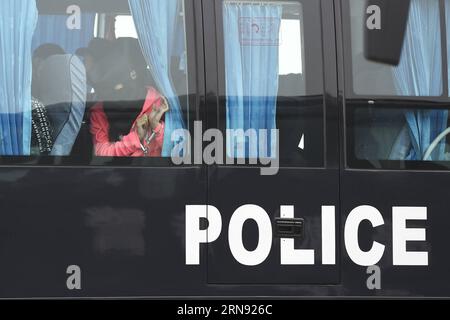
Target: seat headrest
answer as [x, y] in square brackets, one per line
[62, 89]
[59, 77]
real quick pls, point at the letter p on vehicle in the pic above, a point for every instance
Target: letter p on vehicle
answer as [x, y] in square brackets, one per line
[195, 235]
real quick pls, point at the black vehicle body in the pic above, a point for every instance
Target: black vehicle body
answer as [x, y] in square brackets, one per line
[122, 221]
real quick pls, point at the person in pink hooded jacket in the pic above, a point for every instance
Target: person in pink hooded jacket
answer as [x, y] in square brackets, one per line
[129, 120]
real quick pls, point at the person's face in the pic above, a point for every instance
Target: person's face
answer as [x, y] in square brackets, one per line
[121, 84]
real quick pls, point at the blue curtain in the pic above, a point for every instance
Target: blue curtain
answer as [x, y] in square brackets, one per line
[17, 23]
[53, 29]
[251, 33]
[420, 74]
[447, 24]
[156, 23]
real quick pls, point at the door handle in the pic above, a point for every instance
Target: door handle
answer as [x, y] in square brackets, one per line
[288, 228]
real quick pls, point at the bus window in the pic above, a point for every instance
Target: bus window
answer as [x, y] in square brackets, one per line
[101, 85]
[273, 81]
[397, 115]
[421, 54]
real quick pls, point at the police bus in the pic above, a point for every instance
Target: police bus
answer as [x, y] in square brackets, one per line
[217, 148]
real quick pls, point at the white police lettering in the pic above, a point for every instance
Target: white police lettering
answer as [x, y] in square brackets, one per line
[262, 251]
[402, 234]
[290, 256]
[358, 215]
[195, 236]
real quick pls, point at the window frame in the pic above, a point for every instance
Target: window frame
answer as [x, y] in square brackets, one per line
[352, 162]
[353, 101]
[194, 49]
[348, 61]
[218, 120]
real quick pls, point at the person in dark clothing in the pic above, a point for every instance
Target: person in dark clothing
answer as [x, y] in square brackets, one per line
[96, 50]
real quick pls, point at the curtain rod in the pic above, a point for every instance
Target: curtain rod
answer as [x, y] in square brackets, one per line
[284, 3]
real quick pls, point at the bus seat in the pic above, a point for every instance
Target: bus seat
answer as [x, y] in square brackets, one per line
[62, 87]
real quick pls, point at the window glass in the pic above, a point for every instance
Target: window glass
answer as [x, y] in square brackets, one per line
[291, 49]
[379, 135]
[273, 81]
[420, 70]
[385, 131]
[103, 84]
[125, 27]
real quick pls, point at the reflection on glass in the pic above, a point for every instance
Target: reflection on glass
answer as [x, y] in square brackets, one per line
[101, 84]
[273, 81]
[417, 131]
